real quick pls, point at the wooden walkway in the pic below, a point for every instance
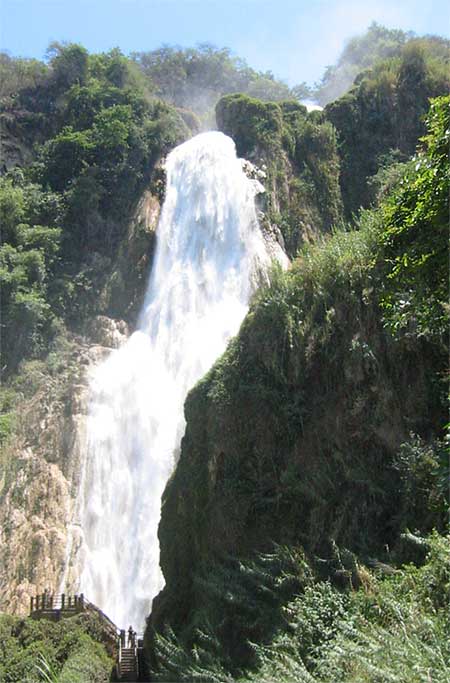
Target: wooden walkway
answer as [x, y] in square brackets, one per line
[129, 660]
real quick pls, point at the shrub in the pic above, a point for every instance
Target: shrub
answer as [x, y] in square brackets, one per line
[52, 651]
[415, 234]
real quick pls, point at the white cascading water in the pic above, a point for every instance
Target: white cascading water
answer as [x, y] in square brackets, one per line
[208, 256]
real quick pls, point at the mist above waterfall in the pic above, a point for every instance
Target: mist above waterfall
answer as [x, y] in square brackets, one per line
[208, 257]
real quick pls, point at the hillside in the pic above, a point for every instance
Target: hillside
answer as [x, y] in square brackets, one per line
[304, 524]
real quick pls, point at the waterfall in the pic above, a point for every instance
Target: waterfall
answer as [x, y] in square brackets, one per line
[208, 255]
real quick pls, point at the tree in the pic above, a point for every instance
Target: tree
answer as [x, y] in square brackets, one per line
[196, 78]
[18, 73]
[69, 63]
[27, 257]
[415, 239]
[64, 157]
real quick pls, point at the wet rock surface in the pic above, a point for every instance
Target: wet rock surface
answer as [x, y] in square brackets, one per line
[42, 476]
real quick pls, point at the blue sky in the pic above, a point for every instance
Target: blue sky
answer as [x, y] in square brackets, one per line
[295, 39]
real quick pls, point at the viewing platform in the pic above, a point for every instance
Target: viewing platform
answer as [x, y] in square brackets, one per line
[55, 607]
[128, 647]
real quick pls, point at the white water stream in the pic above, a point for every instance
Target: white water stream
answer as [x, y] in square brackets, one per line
[208, 256]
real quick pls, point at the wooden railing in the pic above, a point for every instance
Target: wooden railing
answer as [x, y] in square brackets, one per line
[62, 602]
[114, 631]
[136, 646]
[55, 606]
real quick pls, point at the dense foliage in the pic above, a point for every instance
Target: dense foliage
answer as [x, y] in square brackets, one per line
[31, 232]
[72, 650]
[416, 222]
[19, 73]
[94, 136]
[195, 78]
[393, 628]
[382, 117]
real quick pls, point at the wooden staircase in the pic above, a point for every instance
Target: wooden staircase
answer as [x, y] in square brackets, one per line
[130, 663]
[130, 660]
[128, 668]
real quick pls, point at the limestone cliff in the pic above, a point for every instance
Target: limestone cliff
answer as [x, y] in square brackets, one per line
[43, 460]
[123, 292]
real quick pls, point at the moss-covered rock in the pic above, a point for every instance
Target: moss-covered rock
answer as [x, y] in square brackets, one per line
[295, 435]
[250, 122]
[299, 154]
[383, 116]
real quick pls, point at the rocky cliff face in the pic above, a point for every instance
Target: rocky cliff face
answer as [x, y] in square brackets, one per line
[41, 460]
[15, 150]
[125, 288]
[44, 457]
[40, 465]
[293, 437]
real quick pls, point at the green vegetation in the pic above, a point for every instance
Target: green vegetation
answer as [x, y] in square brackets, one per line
[196, 78]
[74, 650]
[382, 117]
[416, 221]
[30, 219]
[300, 154]
[391, 628]
[321, 430]
[17, 74]
[191, 79]
[250, 122]
[95, 136]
